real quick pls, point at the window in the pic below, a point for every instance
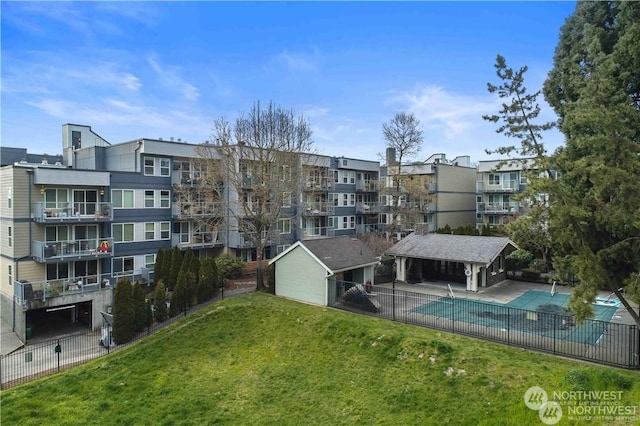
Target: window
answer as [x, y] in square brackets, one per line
[164, 167]
[345, 222]
[122, 198]
[148, 166]
[352, 222]
[479, 199]
[56, 199]
[149, 231]
[333, 199]
[149, 261]
[284, 226]
[345, 199]
[76, 139]
[164, 230]
[9, 199]
[122, 232]
[286, 199]
[10, 238]
[332, 222]
[494, 179]
[10, 274]
[148, 199]
[336, 178]
[123, 266]
[59, 271]
[165, 199]
[282, 247]
[352, 199]
[286, 173]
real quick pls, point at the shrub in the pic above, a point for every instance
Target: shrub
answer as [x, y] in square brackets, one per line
[519, 259]
[530, 274]
[229, 267]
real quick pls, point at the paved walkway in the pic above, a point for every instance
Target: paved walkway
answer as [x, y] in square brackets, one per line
[9, 341]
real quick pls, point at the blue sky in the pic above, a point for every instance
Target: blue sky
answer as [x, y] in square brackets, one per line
[168, 69]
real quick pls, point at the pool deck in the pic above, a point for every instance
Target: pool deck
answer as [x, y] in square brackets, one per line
[502, 292]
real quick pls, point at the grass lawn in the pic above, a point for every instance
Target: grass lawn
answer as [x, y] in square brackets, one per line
[259, 359]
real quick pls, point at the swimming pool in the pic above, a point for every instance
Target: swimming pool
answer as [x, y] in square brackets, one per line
[532, 312]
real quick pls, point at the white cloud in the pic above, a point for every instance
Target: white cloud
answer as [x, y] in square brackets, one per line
[450, 114]
[170, 78]
[298, 61]
[129, 118]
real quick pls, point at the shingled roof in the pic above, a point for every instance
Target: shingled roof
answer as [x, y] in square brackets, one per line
[337, 254]
[456, 248]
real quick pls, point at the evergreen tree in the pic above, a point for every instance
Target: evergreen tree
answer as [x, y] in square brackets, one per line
[178, 296]
[123, 312]
[594, 87]
[139, 306]
[160, 302]
[158, 268]
[208, 279]
[174, 269]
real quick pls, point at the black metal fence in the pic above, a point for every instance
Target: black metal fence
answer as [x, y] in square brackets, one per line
[546, 329]
[42, 359]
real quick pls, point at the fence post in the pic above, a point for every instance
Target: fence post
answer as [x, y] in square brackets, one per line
[393, 300]
[58, 349]
[555, 316]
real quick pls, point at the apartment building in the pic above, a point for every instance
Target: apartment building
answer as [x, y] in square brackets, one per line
[497, 184]
[73, 226]
[425, 196]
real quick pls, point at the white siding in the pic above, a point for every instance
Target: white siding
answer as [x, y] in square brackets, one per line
[300, 277]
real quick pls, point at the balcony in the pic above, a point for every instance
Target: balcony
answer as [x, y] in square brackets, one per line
[195, 210]
[421, 207]
[33, 295]
[317, 232]
[316, 208]
[505, 186]
[317, 184]
[56, 251]
[196, 240]
[368, 208]
[367, 186]
[72, 212]
[501, 208]
[367, 228]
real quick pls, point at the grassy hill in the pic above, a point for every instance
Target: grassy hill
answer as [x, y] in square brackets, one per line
[259, 359]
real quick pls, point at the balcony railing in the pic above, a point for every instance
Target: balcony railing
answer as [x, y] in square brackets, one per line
[54, 251]
[506, 208]
[194, 210]
[504, 186]
[196, 240]
[316, 208]
[25, 291]
[318, 184]
[366, 208]
[367, 186]
[72, 212]
[421, 207]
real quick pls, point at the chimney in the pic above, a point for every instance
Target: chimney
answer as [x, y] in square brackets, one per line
[391, 157]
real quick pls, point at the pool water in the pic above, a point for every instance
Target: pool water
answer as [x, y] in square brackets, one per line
[535, 312]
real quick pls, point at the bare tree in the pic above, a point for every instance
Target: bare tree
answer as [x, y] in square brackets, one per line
[259, 160]
[403, 135]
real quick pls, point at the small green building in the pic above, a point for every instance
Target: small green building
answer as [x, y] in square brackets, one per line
[311, 271]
